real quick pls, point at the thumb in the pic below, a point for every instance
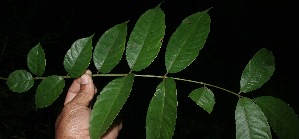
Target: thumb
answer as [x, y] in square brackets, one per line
[87, 91]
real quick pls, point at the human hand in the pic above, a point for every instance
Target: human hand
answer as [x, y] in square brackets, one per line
[73, 121]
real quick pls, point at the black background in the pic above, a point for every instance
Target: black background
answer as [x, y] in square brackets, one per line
[239, 28]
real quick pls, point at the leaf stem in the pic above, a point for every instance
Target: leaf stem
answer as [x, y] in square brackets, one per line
[206, 84]
[191, 81]
[149, 76]
[109, 75]
[1, 78]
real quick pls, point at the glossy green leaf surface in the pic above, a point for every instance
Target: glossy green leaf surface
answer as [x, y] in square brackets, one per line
[108, 105]
[282, 118]
[49, 90]
[146, 39]
[110, 47]
[36, 60]
[251, 122]
[20, 81]
[186, 42]
[204, 98]
[78, 57]
[258, 71]
[162, 111]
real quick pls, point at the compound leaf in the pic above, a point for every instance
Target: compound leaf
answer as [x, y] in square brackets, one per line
[258, 71]
[36, 60]
[49, 90]
[162, 111]
[110, 47]
[146, 39]
[204, 98]
[186, 42]
[78, 57]
[280, 115]
[20, 81]
[108, 105]
[251, 122]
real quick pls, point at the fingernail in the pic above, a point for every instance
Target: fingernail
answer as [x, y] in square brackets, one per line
[88, 72]
[84, 79]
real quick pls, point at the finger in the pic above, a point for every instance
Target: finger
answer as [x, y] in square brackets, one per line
[73, 90]
[95, 90]
[87, 91]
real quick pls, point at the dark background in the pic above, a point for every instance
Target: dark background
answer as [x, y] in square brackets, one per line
[239, 28]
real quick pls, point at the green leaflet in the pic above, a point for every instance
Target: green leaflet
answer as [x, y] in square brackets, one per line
[186, 42]
[204, 98]
[251, 122]
[146, 39]
[20, 81]
[162, 111]
[258, 71]
[36, 60]
[280, 115]
[49, 90]
[110, 47]
[78, 57]
[108, 105]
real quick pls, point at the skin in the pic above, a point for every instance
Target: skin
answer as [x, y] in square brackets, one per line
[73, 121]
